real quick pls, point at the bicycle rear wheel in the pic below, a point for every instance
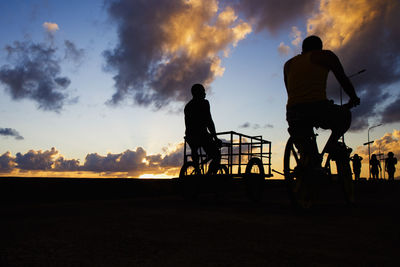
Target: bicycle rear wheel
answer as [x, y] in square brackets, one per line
[297, 186]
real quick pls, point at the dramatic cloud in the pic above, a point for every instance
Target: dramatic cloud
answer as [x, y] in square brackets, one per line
[274, 15]
[11, 132]
[366, 35]
[7, 163]
[172, 159]
[34, 74]
[391, 113]
[131, 163]
[128, 161]
[61, 164]
[50, 27]
[166, 46]
[36, 160]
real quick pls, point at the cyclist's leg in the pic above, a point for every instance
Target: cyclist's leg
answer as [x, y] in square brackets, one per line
[337, 119]
[194, 146]
[302, 135]
[301, 124]
[213, 152]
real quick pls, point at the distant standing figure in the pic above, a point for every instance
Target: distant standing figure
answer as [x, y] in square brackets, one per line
[390, 167]
[375, 166]
[356, 159]
[200, 129]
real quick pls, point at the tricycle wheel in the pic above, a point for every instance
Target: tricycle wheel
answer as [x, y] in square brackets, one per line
[254, 179]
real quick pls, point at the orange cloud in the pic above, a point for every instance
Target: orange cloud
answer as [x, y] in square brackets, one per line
[50, 27]
[365, 35]
[160, 55]
[337, 22]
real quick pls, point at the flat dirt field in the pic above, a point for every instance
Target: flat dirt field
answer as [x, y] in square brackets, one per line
[128, 222]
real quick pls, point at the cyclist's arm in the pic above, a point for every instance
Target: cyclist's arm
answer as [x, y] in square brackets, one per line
[342, 78]
[210, 122]
[332, 62]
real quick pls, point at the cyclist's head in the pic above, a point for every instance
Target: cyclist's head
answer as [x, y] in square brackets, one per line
[356, 155]
[312, 42]
[390, 154]
[198, 91]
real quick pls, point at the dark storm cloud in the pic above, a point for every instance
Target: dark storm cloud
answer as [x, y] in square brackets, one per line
[364, 34]
[128, 161]
[173, 159]
[164, 47]
[11, 132]
[34, 74]
[369, 38]
[131, 162]
[379, 53]
[7, 162]
[391, 113]
[36, 160]
[61, 164]
[274, 15]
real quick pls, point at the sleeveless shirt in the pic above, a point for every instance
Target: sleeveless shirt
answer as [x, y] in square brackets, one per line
[306, 81]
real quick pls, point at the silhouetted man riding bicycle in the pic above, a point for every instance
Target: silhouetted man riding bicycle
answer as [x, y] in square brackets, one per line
[200, 129]
[305, 78]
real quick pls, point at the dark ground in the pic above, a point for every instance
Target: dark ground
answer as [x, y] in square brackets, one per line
[122, 222]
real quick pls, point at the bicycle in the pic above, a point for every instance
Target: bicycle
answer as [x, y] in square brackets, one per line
[238, 152]
[300, 181]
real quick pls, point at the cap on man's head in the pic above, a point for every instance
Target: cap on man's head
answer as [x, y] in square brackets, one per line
[197, 90]
[312, 42]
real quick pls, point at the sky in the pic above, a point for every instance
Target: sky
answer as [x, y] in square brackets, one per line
[97, 88]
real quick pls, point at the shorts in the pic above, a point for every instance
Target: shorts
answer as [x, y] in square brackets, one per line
[323, 114]
[206, 142]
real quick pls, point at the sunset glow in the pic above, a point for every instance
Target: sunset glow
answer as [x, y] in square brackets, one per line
[98, 90]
